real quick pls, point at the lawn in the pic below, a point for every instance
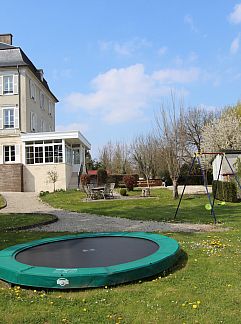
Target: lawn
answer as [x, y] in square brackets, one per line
[160, 207]
[204, 287]
[16, 221]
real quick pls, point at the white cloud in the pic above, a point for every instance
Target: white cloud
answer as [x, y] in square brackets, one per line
[234, 47]
[124, 48]
[235, 16]
[83, 128]
[121, 95]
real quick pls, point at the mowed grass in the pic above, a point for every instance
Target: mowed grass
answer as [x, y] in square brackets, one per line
[204, 287]
[160, 207]
[12, 221]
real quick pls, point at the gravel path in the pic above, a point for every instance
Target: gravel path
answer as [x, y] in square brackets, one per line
[78, 222]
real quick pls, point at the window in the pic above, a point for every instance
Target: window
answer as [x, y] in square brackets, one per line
[49, 154]
[41, 100]
[8, 118]
[30, 155]
[33, 122]
[43, 153]
[58, 153]
[51, 108]
[9, 153]
[39, 154]
[32, 90]
[8, 84]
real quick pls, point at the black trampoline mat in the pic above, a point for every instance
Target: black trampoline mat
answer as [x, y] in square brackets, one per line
[89, 252]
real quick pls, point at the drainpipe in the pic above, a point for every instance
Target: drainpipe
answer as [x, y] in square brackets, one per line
[19, 99]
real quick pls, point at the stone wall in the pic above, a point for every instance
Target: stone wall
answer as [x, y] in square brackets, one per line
[11, 177]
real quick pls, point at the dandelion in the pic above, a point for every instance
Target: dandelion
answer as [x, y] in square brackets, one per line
[194, 306]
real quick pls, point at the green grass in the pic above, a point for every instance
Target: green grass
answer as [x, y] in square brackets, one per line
[12, 221]
[159, 208]
[208, 274]
[203, 288]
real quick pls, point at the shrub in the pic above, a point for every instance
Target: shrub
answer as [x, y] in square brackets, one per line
[123, 192]
[101, 176]
[129, 181]
[226, 191]
[85, 179]
[118, 179]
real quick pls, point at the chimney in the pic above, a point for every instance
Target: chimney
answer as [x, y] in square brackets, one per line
[41, 73]
[6, 38]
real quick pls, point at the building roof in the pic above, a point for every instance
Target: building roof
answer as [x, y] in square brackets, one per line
[74, 137]
[11, 56]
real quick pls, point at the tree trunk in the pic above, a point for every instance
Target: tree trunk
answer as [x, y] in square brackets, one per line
[175, 189]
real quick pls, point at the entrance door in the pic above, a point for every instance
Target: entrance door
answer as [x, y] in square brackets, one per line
[76, 159]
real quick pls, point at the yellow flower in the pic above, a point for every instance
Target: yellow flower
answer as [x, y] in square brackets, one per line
[194, 306]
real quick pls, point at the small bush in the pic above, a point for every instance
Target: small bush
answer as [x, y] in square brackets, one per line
[123, 192]
[129, 181]
[226, 191]
[43, 193]
[84, 179]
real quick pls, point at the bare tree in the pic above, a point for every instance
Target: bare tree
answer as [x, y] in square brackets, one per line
[195, 118]
[116, 157]
[146, 155]
[172, 138]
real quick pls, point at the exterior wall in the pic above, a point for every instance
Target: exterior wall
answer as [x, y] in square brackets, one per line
[35, 177]
[11, 177]
[33, 105]
[68, 172]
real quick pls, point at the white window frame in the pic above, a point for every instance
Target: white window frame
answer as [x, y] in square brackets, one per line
[56, 153]
[10, 154]
[8, 110]
[11, 90]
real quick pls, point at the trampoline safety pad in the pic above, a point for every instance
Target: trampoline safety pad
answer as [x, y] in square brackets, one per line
[88, 260]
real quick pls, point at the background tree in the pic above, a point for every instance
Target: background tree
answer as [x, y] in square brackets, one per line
[222, 133]
[172, 138]
[115, 157]
[194, 119]
[146, 155]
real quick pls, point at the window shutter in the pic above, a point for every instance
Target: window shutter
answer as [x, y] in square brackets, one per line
[1, 154]
[1, 85]
[31, 121]
[15, 84]
[17, 153]
[16, 117]
[1, 118]
[30, 88]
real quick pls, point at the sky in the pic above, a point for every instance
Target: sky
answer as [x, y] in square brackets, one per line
[112, 63]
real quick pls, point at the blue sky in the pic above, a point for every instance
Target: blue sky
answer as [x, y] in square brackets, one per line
[112, 63]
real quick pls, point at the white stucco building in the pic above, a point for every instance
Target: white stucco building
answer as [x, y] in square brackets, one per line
[29, 145]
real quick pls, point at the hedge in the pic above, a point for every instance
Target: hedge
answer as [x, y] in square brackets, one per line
[226, 191]
[118, 178]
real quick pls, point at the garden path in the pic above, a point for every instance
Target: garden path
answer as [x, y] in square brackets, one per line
[28, 202]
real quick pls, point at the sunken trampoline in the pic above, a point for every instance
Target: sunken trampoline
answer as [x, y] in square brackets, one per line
[87, 260]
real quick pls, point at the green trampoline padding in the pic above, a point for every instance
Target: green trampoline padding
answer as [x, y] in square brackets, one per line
[88, 260]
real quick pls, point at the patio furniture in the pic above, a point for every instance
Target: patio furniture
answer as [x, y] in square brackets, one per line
[109, 190]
